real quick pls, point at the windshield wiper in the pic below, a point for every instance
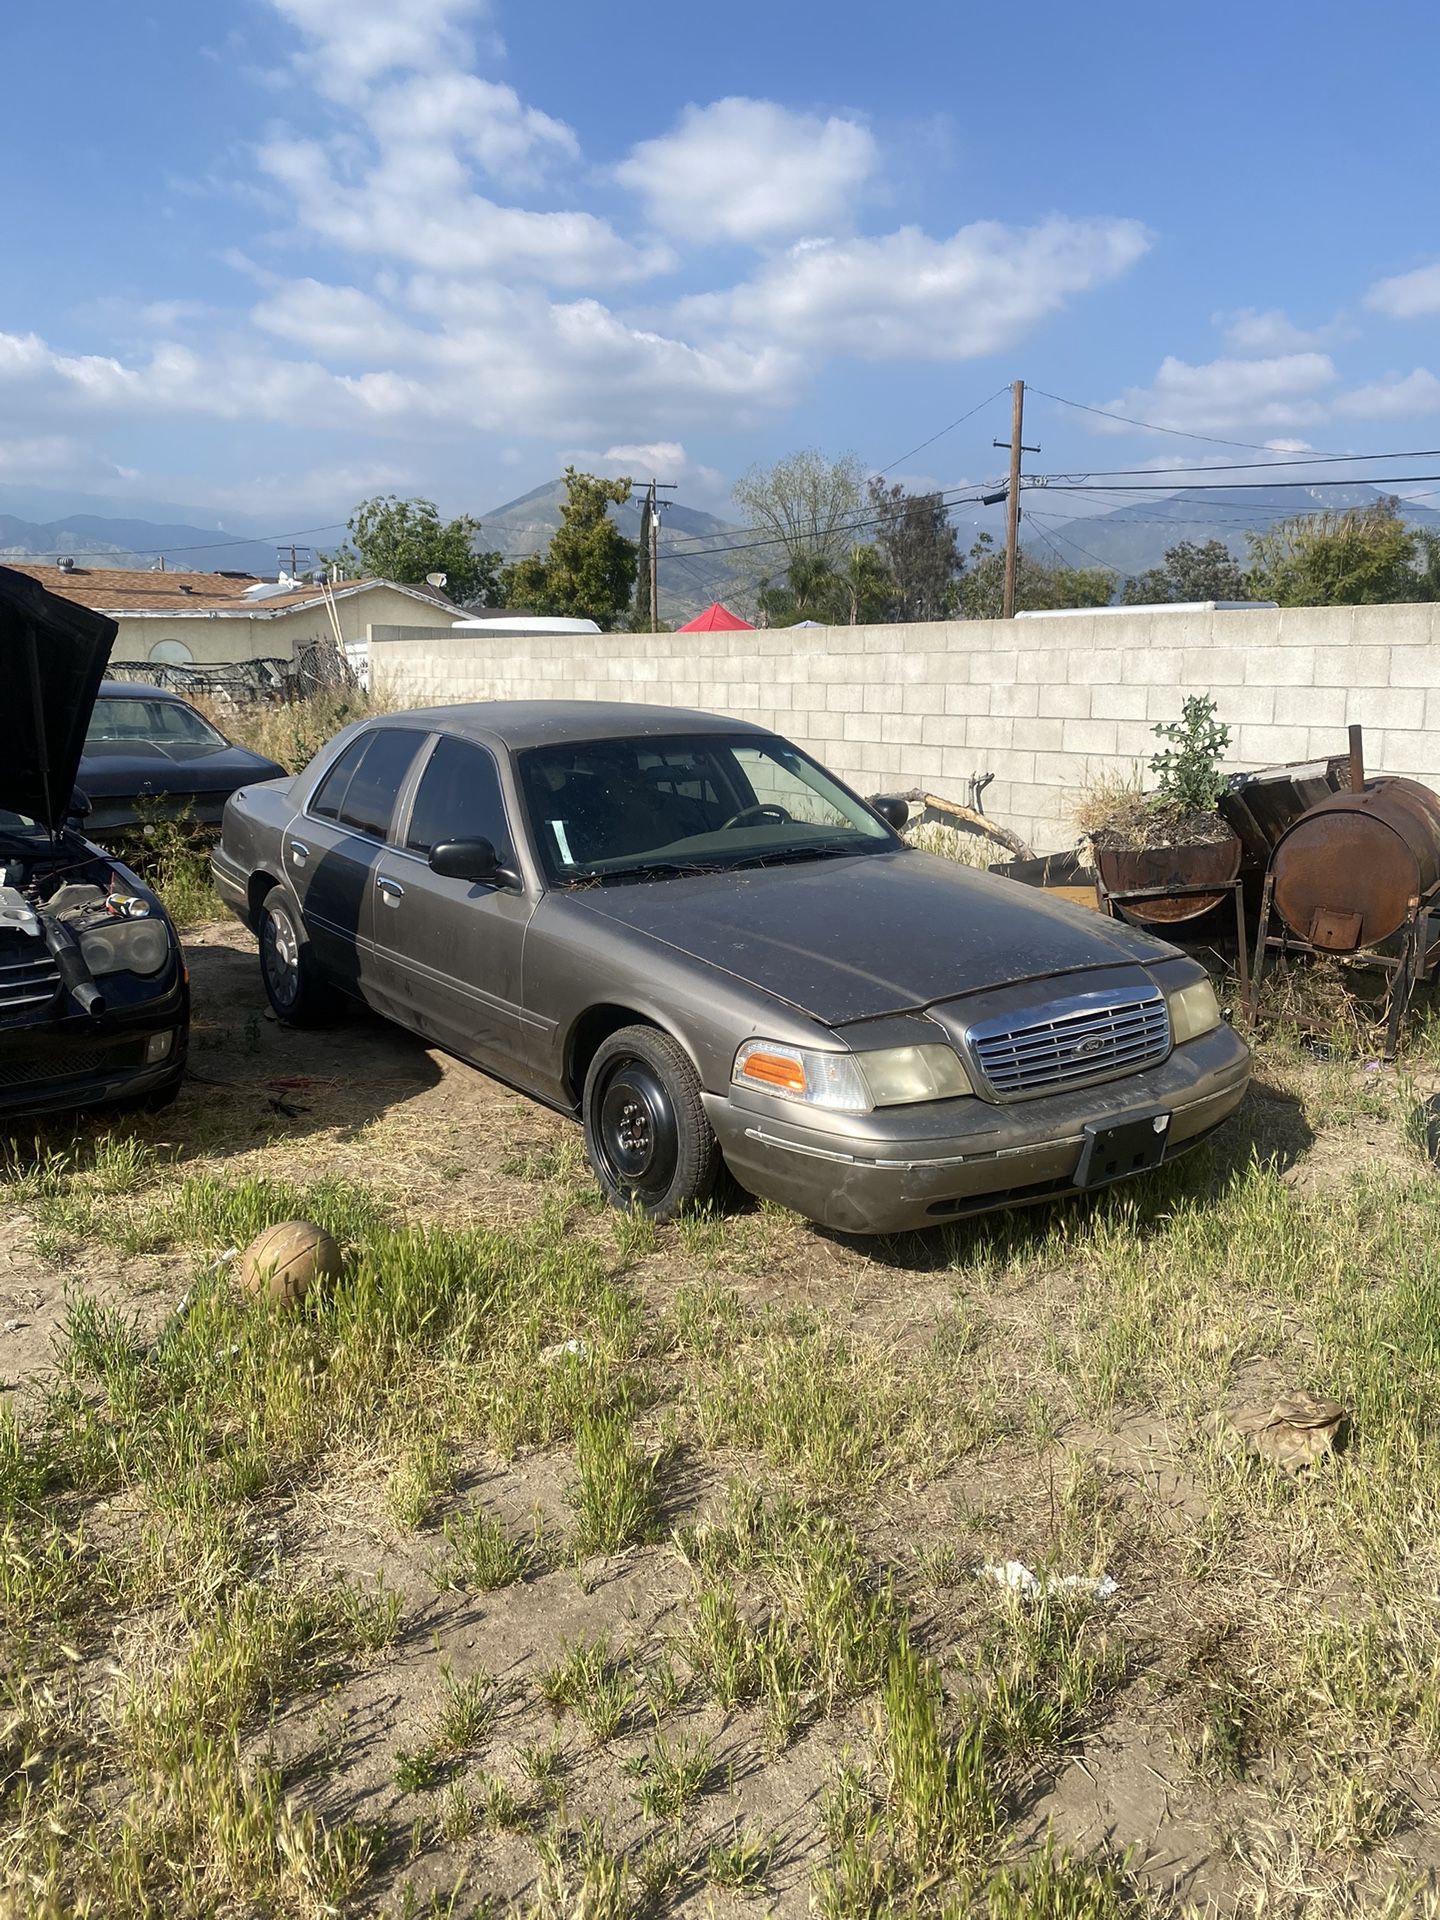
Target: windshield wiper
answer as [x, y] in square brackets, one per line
[785, 856]
[645, 870]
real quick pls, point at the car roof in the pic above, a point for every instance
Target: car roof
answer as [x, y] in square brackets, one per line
[135, 690]
[542, 723]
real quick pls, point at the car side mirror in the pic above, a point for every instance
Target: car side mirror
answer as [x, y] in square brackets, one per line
[894, 811]
[79, 804]
[472, 860]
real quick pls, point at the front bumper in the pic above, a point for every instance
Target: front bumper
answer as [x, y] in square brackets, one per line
[68, 1063]
[880, 1174]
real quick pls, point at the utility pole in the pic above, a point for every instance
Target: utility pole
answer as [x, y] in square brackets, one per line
[652, 508]
[1016, 444]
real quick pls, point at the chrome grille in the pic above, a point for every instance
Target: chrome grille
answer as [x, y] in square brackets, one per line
[29, 977]
[1092, 1036]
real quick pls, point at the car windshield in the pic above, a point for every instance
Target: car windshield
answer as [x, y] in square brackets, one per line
[165, 723]
[657, 806]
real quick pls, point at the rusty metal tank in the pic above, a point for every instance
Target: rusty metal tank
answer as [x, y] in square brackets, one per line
[1214, 863]
[1346, 872]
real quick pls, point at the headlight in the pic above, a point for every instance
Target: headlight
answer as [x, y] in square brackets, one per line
[127, 946]
[851, 1082]
[1193, 1010]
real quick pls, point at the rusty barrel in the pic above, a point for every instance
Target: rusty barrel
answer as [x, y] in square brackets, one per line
[1215, 863]
[1346, 871]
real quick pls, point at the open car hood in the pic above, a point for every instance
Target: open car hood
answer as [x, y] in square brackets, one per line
[52, 660]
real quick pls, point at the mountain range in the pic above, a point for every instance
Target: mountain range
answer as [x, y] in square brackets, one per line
[1129, 538]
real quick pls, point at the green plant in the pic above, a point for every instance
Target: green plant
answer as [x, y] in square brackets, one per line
[1188, 769]
[482, 1553]
[614, 1492]
[416, 1771]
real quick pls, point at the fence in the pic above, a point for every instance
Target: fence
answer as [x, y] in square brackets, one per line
[1044, 704]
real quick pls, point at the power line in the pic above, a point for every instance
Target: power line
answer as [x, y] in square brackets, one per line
[1214, 440]
[1107, 565]
[1253, 466]
[783, 540]
[880, 472]
[1171, 487]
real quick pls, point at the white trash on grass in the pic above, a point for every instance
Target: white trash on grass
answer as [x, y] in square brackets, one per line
[1016, 1577]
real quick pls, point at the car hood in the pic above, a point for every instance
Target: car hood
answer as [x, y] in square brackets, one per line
[881, 933]
[118, 767]
[52, 660]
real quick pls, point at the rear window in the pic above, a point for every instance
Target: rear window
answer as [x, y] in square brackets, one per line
[458, 799]
[331, 792]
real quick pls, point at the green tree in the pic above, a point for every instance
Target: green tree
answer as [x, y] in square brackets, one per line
[397, 539]
[866, 586]
[920, 548]
[1040, 586]
[588, 570]
[1193, 570]
[804, 504]
[810, 590]
[1365, 556]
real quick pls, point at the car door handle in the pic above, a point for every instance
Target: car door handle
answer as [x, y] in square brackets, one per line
[389, 890]
[299, 852]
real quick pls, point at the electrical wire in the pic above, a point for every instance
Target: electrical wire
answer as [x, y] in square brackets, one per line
[1171, 487]
[880, 472]
[1212, 439]
[1251, 466]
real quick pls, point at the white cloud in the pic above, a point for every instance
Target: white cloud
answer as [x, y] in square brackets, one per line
[1253, 332]
[664, 460]
[904, 296]
[1228, 395]
[358, 41]
[1395, 398]
[1407, 296]
[750, 170]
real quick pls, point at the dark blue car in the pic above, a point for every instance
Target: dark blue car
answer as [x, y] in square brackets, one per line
[150, 747]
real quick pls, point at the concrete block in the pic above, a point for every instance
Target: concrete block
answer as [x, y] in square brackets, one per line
[943, 729]
[1357, 666]
[989, 735]
[1065, 702]
[967, 699]
[1118, 702]
[1280, 667]
[1391, 706]
[1310, 707]
[1016, 699]
[861, 726]
[1040, 736]
[1090, 736]
[1417, 666]
[843, 699]
[1415, 752]
[1096, 666]
[1135, 740]
[1154, 667]
[900, 729]
[1205, 668]
[1042, 667]
[1262, 746]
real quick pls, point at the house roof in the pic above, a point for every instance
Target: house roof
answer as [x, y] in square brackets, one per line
[131, 593]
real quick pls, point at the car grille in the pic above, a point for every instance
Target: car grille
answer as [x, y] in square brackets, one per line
[54, 1063]
[29, 977]
[1090, 1037]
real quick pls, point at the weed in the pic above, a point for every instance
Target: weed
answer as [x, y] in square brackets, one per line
[581, 1875]
[741, 1862]
[482, 1553]
[459, 1814]
[614, 1491]
[466, 1711]
[1059, 1885]
[424, 1474]
[671, 1775]
[415, 1771]
[503, 1810]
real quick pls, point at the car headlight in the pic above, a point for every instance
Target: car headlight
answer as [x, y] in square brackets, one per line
[126, 946]
[851, 1082]
[1193, 1010]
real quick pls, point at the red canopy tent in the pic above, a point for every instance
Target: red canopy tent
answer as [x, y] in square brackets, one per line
[716, 619]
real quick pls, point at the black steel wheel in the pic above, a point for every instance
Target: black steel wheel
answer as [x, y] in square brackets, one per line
[646, 1134]
[300, 996]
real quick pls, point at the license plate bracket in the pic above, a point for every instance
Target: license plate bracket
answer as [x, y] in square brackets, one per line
[1116, 1152]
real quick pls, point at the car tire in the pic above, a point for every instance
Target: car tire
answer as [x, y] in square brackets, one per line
[297, 991]
[649, 1143]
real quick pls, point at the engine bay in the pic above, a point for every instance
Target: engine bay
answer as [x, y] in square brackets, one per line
[81, 909]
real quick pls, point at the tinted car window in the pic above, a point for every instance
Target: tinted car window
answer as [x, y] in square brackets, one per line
[458, 799]
[370, 797]
[331, 791]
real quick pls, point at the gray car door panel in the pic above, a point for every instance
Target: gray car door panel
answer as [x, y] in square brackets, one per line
[449, 952]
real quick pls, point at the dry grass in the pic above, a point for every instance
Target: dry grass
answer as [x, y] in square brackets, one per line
[601, 1571]
[292, 732]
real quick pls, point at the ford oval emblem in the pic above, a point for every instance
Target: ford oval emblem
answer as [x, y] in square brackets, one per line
[1084, 1049]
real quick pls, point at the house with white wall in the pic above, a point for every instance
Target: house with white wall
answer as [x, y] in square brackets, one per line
[225, 619]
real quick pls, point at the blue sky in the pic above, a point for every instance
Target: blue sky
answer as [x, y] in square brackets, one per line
[265, 257]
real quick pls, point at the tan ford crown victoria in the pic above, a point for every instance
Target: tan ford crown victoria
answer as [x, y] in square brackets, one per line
[687, 934]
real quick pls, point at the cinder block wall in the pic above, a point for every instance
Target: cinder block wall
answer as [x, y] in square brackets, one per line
[1042, 704]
